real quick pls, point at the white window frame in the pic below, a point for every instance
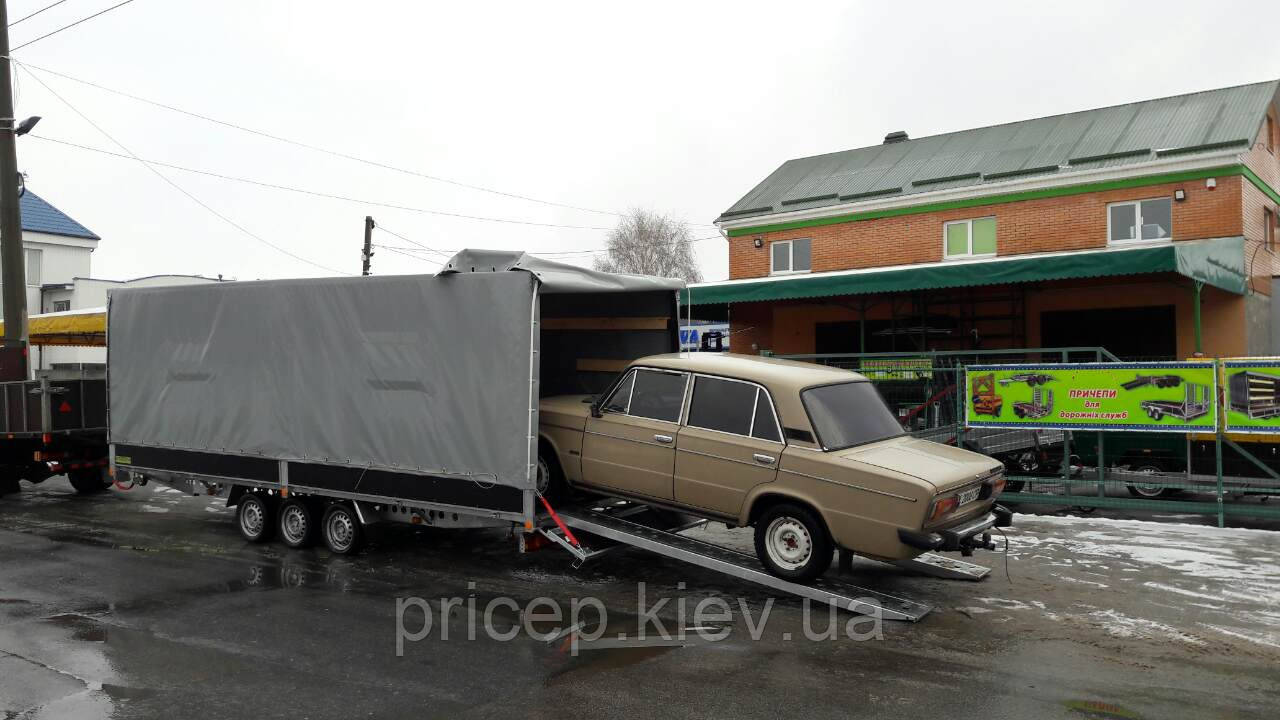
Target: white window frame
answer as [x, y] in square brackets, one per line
[791, 257]
[1137, 216]
[56, 303]
[27, 255]
[969, 223]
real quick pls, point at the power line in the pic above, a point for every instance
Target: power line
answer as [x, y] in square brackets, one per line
[179, 188]
[68, 27]
[28, 17]
[327, 151]
[318, 193]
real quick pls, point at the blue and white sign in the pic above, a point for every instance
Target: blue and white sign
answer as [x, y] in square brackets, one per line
[691, 335]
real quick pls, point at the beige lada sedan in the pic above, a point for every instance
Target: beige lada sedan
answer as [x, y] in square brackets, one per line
[808, 455]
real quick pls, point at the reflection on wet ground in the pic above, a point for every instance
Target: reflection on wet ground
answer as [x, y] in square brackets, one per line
[111, 610]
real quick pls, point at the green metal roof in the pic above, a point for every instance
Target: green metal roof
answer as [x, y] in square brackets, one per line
[1218, 262]
[1209, 121]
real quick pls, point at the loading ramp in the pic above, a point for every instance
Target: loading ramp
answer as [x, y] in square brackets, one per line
[621, 523]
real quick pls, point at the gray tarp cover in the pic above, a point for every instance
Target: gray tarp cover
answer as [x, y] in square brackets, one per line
[411, 373]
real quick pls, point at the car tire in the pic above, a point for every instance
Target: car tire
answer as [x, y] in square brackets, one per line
[254, 518]
[341, 529]
[89, 481]
[297, 523]
[549, 481]
[792, 543]
[1150, 491]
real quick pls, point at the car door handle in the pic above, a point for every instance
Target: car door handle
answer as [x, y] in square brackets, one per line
[764, 459]
[664, 439]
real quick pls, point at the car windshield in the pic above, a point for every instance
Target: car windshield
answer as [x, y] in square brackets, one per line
[849, 414]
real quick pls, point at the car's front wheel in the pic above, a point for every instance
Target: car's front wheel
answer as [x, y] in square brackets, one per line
[792, 543]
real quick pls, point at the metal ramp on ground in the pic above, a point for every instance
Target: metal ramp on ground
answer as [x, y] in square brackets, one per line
[620, 523]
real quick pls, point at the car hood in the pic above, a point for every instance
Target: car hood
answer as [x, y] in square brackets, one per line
[943, 466]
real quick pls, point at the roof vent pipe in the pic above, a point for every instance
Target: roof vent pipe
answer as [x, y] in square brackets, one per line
[896, 136]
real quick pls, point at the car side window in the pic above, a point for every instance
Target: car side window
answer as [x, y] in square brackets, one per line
[722, 405]
[621, 396]
[657, 395]
[765, 425]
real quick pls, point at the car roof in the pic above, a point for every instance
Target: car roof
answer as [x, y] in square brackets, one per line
[771, 372]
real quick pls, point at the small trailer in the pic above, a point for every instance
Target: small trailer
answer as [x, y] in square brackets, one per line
[56, 423]
[319, 406]
[1195, 403]
[1041, 404]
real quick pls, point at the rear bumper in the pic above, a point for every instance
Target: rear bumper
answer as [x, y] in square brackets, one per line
[965, 537]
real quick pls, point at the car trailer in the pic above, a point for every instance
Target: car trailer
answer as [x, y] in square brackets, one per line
[403, 399]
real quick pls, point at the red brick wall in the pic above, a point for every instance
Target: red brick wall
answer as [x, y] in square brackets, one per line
[1074, 222]
[1262, 263]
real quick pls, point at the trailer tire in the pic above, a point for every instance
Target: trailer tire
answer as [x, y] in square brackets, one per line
[792, 543]
[254, 518]
[89, 481]
[341, 529]
[297, 523]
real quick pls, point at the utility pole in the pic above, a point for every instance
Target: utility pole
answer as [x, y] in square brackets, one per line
[368, 241]
[13, 350]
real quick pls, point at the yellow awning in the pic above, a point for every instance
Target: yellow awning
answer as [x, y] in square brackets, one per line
[85, 328]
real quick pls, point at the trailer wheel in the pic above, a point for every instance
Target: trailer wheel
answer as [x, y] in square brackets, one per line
[341, 529]
[254, 516]
[792, 543]
[297, 523]
[88, 481]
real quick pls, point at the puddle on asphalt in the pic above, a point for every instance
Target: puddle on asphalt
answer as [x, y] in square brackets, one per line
[82, 628]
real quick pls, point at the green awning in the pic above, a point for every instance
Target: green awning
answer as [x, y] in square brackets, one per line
[1218, 262]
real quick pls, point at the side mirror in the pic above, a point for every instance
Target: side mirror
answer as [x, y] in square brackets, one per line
[595, 409]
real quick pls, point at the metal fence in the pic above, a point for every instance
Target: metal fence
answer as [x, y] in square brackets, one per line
[1170, 474]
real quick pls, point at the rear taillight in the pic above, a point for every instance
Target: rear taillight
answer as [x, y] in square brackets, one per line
[997, 485]
[942, 506]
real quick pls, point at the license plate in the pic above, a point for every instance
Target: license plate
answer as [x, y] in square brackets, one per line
[969, 496]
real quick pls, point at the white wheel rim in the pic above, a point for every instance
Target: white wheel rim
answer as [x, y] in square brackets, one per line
[341, 530]
[1148, 489]
[252, 519]
[543, 481]
[293, 524]
[788, 543]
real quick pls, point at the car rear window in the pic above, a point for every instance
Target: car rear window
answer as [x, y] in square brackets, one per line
[849, 414]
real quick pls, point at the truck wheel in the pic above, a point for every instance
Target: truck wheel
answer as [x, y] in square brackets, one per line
[1150, 491]
[297, 523]
[255, 518]
[89, 481]
[792, 543]
[341, 529]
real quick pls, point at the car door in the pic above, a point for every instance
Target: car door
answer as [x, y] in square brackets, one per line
[631, 446]
[729, 444]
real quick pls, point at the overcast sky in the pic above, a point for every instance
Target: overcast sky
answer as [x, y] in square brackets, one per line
[676, 107]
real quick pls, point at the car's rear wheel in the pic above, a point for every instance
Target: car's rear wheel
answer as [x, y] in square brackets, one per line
[792, 543]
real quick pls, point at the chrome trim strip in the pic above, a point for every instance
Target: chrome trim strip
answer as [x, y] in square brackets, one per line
[851, 485]
[625, 439]
[719, 457]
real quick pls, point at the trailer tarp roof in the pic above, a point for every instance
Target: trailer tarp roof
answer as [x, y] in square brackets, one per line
[1218, 262]
[554, 277]
[85, 327]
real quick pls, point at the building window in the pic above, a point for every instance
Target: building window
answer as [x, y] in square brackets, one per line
[61, 305]
[790, 256]
[33, 258]
[1268, 229]
[1140, 220]
[969, 238]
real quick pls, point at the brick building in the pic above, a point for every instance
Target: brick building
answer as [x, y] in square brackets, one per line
[1147, 228]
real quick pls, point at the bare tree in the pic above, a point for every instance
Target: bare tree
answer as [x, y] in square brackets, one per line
[647, 243]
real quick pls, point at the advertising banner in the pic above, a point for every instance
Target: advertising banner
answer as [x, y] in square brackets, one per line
[896, 368]
[1162, 396]
[1253, 395]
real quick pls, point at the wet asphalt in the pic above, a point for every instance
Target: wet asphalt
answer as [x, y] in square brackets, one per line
[148, 604]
